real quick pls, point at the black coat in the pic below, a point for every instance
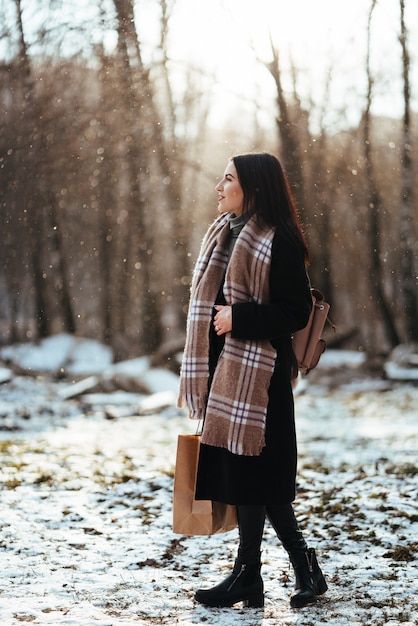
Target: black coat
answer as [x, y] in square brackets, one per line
[269, 478]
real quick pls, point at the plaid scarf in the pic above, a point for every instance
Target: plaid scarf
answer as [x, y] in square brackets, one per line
[234, 411]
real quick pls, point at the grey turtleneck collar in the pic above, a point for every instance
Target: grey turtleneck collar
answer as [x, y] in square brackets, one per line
[236, 224]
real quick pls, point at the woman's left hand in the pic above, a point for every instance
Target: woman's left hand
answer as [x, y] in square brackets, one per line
[223, 319]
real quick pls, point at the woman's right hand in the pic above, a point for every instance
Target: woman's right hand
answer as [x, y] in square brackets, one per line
[223, 319]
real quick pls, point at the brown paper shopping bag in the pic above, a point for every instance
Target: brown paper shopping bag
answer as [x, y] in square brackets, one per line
[190, 516]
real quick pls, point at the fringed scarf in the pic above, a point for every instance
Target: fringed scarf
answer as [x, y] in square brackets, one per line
[234, 411]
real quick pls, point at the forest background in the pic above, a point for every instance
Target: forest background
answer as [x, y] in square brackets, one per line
[111, 144]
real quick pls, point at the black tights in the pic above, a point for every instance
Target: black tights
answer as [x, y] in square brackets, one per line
[251, 520]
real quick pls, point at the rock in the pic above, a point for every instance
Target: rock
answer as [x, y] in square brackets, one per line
[88, 357]
[126, 375]
[6, 374]
[395, 372]
[50, 355]
[403, 363]
[405, 355]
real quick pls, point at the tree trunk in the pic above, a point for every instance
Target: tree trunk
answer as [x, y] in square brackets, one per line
[31, 219]
[173, 171]
[288, 135]
[407, 235]
[63, 294]
[138, 97]
[375, 270]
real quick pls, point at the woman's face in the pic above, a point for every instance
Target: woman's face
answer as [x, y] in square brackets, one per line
[230, 193]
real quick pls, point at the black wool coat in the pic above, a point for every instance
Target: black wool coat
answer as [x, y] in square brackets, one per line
[271, 477]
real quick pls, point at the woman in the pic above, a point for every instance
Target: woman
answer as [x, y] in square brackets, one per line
[250, 292]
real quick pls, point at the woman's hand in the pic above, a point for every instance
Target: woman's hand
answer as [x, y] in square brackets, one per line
[223, 319]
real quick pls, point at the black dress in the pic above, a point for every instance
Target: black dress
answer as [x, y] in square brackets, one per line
[271, 477]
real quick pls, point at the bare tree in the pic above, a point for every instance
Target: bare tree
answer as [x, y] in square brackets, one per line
[162, 118]
[34, 203]
[136, 101]
[172, 159]
[26, 196]
[375, 273]
[407, 235]
[289, 130]
[28, 202]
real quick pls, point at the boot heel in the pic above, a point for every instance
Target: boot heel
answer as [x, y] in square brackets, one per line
[255, 601]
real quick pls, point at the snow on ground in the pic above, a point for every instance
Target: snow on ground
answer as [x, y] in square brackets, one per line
[85, 517]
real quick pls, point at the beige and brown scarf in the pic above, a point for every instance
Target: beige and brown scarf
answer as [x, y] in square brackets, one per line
[234, 411]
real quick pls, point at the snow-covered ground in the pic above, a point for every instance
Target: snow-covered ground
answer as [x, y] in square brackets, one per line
[85, 518]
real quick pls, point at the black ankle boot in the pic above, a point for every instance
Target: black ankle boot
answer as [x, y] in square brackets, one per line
[310, 581]
[243, 585]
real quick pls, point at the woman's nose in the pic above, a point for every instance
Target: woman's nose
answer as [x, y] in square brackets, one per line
[219, 186]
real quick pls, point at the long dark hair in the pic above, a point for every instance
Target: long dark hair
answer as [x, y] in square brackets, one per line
[267, 192]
